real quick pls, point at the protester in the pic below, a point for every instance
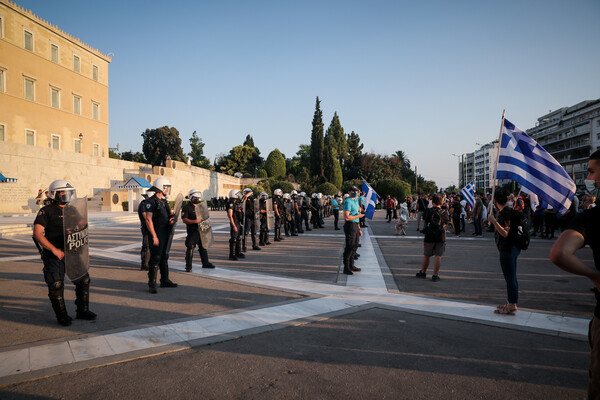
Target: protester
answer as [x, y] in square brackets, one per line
[435, 222]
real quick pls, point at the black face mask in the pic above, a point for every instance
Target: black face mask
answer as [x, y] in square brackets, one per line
[195, 200]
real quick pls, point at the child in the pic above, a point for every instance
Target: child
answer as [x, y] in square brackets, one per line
[401, 224]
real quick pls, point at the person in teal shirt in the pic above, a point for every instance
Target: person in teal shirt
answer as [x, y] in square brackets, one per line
[352, 231]
[335, 206]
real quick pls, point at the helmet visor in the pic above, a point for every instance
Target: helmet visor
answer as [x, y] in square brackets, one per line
[64, 195]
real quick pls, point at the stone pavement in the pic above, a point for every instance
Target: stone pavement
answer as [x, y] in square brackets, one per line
[281, 285]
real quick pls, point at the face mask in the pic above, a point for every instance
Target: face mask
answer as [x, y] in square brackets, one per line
[353, 194]
[195, 200]
[590, 186]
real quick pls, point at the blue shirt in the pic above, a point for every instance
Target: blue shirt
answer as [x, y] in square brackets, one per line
[351, 205]
[335, 204]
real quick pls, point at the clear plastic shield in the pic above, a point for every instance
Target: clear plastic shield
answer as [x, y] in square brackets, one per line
[178, 203]
[204, 226]
[75, 229]
[289, 211]
[270, 214]
[257, 214]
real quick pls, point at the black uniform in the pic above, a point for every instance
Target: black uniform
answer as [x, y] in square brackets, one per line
[249, 224]
[264, 229]
[193, 239]
[234, 240]
[51, 218]
[279, 212]
[145, 251]
[304, 213]
[161, 214]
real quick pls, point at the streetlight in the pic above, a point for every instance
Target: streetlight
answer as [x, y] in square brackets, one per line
[462, 169]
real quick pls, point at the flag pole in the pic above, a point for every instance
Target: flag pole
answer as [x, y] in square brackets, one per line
[496, 165]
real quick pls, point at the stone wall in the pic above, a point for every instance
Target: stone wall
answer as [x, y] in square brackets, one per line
[36, 167]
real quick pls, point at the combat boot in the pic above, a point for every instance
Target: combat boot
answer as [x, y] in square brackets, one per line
[347, 270]
[261, 238]
[55, 294]
[232, 252]
[254, 246]
[276, 235]
[82, 295]
[238, 253]
[266, 238]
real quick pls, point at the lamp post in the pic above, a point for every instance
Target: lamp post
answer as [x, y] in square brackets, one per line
[461, 178]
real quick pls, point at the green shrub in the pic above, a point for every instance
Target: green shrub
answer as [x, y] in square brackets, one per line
[327, 189]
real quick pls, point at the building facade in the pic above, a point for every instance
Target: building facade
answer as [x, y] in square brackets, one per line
[53, 87]
[570, 135]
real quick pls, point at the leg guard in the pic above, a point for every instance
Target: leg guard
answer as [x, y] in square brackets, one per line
[189, 255]
[55, 294]
[82, 293]
[152, 272]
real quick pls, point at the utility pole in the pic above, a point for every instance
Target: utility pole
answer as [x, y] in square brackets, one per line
[416, 181]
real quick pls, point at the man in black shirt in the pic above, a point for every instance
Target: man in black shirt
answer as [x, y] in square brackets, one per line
[249, 225]
[193, 239]
[236, 218]
[145, 250]
[585, 229]
[48, 232]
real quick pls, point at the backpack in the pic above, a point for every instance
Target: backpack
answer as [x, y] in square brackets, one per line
[434, 231]
[522, 238]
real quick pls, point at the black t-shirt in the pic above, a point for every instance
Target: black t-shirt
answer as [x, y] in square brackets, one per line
[160, 211]
[141, 210]
[421, 205]
[513, 219]
[249, 208]
[51, 218]
[237, 211]
[189, 211]
[588, 224]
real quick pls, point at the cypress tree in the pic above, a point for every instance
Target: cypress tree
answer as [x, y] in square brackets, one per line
[316, 142]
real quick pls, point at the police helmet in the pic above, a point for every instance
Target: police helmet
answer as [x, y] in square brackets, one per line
[235, 194]
[195, 193]
[61, 191]
[294, 193]
[346, 195]
[162, 185]
[148, 194]
[320, 195]
[286, 196]
[302, 194]
[264, 195]
[314, 196]
[277, 192]
[248, 190]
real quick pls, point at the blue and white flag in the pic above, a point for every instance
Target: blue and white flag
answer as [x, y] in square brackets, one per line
[370, 200]
[468, 192]
[523, 160]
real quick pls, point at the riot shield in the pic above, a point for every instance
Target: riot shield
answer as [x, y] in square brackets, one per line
[257, 215]
[178, 203]
[289, 211]
[204, 226]
[75, 229]
[270, 214]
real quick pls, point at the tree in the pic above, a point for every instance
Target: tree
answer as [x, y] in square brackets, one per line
[197, 153]
[256, 161]
[275, 164]
[113, 154]
[333, 168]
[239, 159]
[351, 167]
[160, 143]
[249, 141]
[301, 160]
[337, 138]
[327, 189]
[316, 142]
[262, 173]
[131, 156]
[394, 187]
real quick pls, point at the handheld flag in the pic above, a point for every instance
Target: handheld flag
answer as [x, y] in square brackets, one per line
[370, 199]
[468, 192]
[523, 160]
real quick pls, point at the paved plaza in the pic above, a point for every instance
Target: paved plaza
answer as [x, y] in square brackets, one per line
[286, 323]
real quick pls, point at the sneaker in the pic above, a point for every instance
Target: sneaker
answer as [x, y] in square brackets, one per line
[435, 278]
[421, 274]
[209, 265]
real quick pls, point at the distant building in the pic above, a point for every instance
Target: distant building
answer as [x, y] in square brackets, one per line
[570, 134]
[53, 87]
[477, 167]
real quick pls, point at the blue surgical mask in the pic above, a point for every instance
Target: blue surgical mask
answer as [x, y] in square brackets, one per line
[590, 186]
[353, 194]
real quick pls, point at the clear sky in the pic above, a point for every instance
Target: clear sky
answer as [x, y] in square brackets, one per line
[430, 78]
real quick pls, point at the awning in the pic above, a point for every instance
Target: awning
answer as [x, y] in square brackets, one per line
[4, 179]
[136, 183]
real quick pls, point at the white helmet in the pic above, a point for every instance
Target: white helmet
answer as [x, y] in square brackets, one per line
[61, 191]
[264, 195]
[235, 194]
[162, 185]
[294, 193]
[248, 190]
[314, 196]
[195, 193]
[286, 196]
[302, 194]
[320, 195]
[346, 195]
[148, 194]
[277, 192]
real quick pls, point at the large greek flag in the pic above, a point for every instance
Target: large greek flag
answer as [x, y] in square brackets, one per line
[468, 192]
[523, 160]
[370, 200]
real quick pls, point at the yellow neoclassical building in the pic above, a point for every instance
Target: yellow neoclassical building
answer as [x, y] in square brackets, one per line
[53, 87]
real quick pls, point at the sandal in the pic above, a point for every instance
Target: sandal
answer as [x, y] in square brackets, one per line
[506, 310]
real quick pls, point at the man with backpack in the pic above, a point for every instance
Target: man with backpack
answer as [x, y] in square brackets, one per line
[435, 221]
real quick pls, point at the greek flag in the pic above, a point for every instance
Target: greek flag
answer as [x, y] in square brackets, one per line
[370, 199]
[468, 192]
[523, 160]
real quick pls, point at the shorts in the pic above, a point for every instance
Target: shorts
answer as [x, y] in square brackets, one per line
[420, 215]
[434, 249]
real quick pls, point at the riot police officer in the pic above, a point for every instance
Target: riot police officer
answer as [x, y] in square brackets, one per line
[304, 211]
[159, 219]
[297, 206]
[48, 231]
[279, 212]
[236, 218]
[289, 221]
[193, 239]
[264, 229]
[145, 250]
[249, 224]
